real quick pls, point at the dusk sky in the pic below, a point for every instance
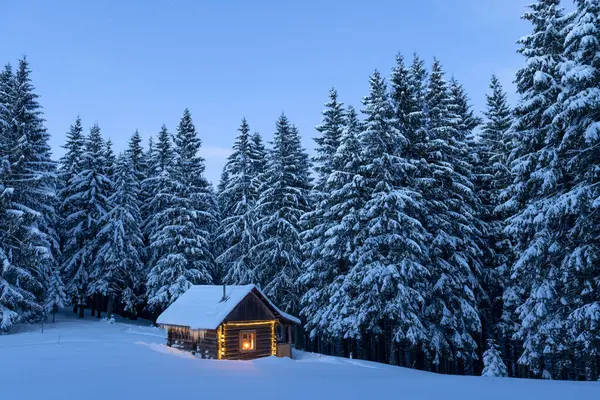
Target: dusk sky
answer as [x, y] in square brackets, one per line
[137, 64]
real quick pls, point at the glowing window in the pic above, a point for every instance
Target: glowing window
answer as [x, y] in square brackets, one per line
[247, 341]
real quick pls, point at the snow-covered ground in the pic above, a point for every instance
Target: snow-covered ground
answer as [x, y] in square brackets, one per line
[92, 359]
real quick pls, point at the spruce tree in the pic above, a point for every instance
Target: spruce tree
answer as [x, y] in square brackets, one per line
[180, 238]
[55, 294]
[150, 158]
[282, 201]
[110, 159]
[314, 222]
[401, 95]
[451, 308]
[492, 361]
[13, 298]
[6, 89]
[537, 222]
[160, 162]
[331, 243]
[331, 129]
[412, 114]
[69, 167]
[189, 170]
[492, 176]
[88, 198]
[70, 161]
[319, 266]
[577, 208]
[237, 206]
[136, 154]
[119, 257]
[258, 160]
[391, 261]
[33, 179]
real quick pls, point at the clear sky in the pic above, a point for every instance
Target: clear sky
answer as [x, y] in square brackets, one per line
[137, 64]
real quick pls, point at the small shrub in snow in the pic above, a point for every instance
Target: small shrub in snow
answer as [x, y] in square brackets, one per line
[492, 361]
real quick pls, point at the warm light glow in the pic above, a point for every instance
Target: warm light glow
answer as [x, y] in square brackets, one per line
[253, 323]
[247, 343]
[220, 343]
[248, 340]
[273, 340]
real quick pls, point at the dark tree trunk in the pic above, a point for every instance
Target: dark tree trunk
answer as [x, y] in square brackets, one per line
[111, 306]
[53, 316]
[364, 343]
[420, 360]
[94, 297]
[99, 305]
[74, 308]
[392, 348]
[81, 311]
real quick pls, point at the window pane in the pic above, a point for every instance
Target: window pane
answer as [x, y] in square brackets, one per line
[247, 341]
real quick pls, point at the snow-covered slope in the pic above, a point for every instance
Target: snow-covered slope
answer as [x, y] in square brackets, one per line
[95, 360]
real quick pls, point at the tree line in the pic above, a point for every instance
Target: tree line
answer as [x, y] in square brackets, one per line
[418, 234]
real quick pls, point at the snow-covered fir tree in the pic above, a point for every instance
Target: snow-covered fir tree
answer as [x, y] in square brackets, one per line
[110, 159]
[13, 298]
[282, 201]
[32, 177]
[88, 198]
[119, 257]
[492, 361]
[258, 155]
[411, 113]
[451, 308]
[189, 170]
[150, 158]
[577, 208]
[328, 141]
[56, 297]
[139, 163]
[401, 93]
[322, 264]
[237, 200]
[314, 221]
[69, 167]
[329, 252]
[160, 162]
[180, 232]
[257, 158]
[136, 154]
[539, 223]
[258, 161]
[70, 163]
[6, 99]
[491, 175]
[388, 278]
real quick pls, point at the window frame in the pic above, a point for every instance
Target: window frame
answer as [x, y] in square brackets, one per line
[251, 332]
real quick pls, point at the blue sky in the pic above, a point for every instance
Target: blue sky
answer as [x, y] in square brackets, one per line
[137, 64]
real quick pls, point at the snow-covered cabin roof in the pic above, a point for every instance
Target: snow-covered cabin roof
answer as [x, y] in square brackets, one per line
[201, 306]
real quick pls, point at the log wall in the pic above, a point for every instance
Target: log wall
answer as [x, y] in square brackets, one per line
[203, 343]
[264, 340]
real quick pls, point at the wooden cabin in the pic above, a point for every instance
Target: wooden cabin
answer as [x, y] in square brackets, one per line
[229, 323]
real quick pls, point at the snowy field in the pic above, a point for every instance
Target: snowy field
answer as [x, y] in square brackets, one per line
[95, 360]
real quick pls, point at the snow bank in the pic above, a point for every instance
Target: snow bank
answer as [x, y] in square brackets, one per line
[93, 360]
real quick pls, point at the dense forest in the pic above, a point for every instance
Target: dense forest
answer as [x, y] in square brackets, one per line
[418, 233]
